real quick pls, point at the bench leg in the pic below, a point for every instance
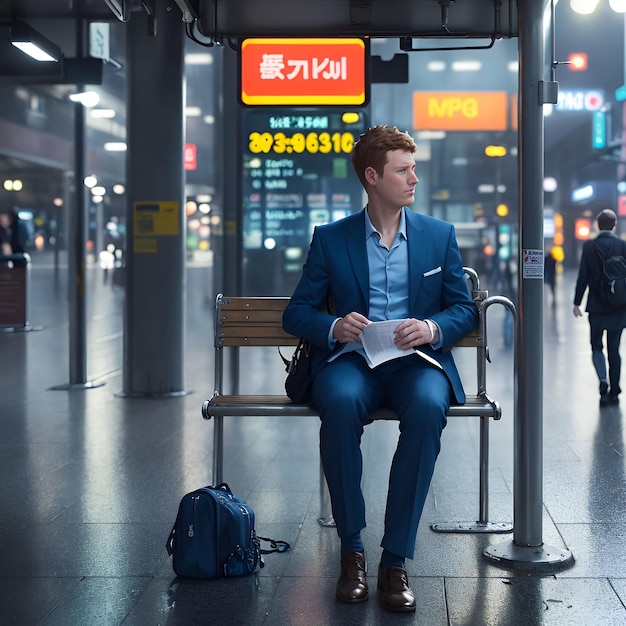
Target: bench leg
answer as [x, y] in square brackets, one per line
[218, 449]
[482, 525]
[326, 518]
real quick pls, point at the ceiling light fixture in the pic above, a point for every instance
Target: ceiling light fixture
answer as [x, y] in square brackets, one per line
[86, 98]
[103, 113]
[115, 146]
[33, 43]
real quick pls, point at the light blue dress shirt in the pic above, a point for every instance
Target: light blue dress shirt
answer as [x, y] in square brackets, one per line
[389, 287]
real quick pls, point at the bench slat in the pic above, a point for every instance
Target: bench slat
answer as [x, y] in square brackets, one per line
[254, 304]
[258, 322]
[230, 406]
[247, 316]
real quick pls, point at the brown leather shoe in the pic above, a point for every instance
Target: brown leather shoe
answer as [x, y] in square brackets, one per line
[394, 584]
[352, 586]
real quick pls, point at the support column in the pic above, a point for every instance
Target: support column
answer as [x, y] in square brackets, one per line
[155, 251]
[527, 550]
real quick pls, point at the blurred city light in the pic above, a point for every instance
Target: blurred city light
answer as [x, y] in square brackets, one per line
[577, 61]
[13, 185]
[550, 184]
[584, 7]
[495, 151]
[582, 228]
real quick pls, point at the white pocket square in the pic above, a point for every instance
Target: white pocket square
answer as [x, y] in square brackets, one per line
[432, 272]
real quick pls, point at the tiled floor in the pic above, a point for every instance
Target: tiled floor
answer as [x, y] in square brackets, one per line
[91, 484]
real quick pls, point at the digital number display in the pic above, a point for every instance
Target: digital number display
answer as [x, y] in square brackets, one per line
[299, 143]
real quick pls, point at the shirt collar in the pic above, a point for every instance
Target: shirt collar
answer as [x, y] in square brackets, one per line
[370, 229]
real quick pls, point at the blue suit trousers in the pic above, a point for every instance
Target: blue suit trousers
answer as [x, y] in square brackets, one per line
[345, 392]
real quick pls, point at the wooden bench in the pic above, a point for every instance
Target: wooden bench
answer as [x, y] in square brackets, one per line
[257, 321]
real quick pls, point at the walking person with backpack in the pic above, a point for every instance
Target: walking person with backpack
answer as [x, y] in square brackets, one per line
[599, 272]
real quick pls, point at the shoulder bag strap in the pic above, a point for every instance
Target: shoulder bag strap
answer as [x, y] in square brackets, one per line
[276, 544]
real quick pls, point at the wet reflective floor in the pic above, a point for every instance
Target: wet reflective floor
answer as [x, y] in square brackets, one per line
[91, 484]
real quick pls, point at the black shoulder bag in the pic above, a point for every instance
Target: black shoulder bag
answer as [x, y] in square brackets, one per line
[298, 381]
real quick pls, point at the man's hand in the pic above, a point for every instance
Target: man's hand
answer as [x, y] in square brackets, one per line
[411, 333]
[577, 312]
[349, 328]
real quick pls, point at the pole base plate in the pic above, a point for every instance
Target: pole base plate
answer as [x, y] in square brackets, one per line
[472, 527]
[543, 558]
[78, 386]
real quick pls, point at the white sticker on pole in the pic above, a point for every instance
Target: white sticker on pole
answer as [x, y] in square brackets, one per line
[532, 264]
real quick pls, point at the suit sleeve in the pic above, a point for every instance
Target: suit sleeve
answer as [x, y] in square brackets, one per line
[584, 273]
[458, 315]
[305, 315]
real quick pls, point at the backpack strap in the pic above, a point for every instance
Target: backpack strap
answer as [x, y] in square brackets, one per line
[602, 257]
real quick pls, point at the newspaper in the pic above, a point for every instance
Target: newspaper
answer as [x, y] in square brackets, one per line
[377, 340]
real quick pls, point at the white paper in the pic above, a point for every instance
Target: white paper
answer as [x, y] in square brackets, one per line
[377, 340]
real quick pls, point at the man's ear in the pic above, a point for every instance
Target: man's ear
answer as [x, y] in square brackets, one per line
[371, 175]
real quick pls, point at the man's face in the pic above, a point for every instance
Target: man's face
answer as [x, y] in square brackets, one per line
[397, 184]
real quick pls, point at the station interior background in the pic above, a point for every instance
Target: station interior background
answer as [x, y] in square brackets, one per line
[459, 182]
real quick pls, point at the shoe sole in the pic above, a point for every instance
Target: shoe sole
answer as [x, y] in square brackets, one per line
[351, 601]
[398, 609]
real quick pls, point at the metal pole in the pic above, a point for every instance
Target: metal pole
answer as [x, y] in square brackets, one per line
[78, 318]
[231, 184]
[527, 550]
[76, 245]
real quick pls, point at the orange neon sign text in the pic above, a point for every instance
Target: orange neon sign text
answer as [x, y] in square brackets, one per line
[472, 110]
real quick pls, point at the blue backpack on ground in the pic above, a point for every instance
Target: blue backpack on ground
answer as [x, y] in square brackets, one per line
[214, 536]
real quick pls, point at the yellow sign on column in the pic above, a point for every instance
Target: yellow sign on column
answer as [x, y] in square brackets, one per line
[155, 218]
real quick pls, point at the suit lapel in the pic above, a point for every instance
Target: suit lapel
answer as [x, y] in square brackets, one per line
[419, 252]
[357, 253]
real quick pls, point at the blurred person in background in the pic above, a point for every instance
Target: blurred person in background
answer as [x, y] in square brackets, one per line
[13, 234]
[600, 317]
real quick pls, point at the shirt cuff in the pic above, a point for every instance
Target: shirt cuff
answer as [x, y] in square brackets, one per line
[331, 340]
[434, 327]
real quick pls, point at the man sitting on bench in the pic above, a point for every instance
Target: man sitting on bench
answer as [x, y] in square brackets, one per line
[383, 263]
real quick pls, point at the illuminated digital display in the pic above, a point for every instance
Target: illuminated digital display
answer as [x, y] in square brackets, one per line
[297, 173]
[312, 142]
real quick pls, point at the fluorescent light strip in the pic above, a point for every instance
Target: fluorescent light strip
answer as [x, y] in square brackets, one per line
[33, 51]
[115, 146]
[198, 58]
[436, 66]
[104, 113]
[466, 66]
[86, 98]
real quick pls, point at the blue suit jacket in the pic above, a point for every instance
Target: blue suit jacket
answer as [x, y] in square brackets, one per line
[336, 271]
